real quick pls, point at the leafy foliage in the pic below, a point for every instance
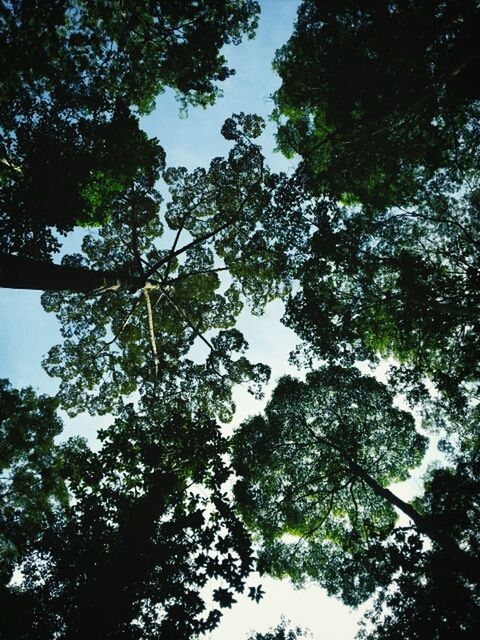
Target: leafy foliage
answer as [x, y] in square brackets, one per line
[380, 117]
[74, 70]
[376, 232]
[88, 54]
[71, 172]
[151, 527]
[119, 341]
[427, 596]
[31, 480]
[281, 632]
[300, 473]
[401, 283]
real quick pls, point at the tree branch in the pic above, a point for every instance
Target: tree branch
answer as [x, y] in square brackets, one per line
[151, 330]
[192, 326]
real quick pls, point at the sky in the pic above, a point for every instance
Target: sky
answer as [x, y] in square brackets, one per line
[28, 332]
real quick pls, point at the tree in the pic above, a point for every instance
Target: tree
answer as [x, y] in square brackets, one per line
[135, 498]
[139, 336]
[381, 115]
[389, 164]
[75, 70]
[88, 54]
[401, 283]
[149, 531]
[71, 172]
[426, 596]
[31, 478]
[317, 466]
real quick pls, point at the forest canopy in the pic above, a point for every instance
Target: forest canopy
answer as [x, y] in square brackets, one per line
[368, 239]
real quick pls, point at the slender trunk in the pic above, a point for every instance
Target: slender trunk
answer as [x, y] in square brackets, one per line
[24, 273]
[468, 564]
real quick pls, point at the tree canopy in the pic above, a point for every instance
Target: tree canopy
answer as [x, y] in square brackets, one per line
[151, 527]
[31, 480]
[427, 597]
[370, 241]
[371, 116]
[313, 474]
[74, 73]
[137, 334]
[304, 468]
[399, 283]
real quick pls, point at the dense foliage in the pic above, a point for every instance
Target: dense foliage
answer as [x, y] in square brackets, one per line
[399, 283]
[123, 340]
[372, 244]
[376, 97]
[31, 479]
[73, 72]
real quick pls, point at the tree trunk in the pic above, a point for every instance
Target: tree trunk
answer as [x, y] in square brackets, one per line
[24, 273]
[468, 564]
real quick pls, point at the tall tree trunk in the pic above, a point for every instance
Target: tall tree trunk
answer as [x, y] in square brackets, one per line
[24, 273]
[468, 564]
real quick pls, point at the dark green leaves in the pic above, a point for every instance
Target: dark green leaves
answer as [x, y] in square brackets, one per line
[380, 116]
[302, 464]
[151, 526]
[75, 71]
[224, 598]
[32, 473]
[401, 283]
[427, 596]
[191, 293]
[256, 593]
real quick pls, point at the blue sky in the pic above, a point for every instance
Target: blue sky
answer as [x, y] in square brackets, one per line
[28, 332]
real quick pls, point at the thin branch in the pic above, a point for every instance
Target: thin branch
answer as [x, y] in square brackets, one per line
[187, 320]
[171, 256]
[151, 330]
[315, 528]
[120, 331]
[198, 240]
[182, 276]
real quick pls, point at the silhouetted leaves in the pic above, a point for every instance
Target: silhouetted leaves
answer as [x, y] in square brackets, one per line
[224, 598]
[281, 632]
[427, 597]
[374, 97]
[256, 593]
[143, 535]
